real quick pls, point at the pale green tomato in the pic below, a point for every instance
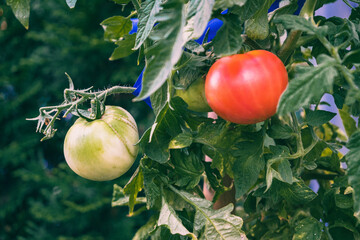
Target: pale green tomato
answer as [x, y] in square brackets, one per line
[103, 149]
[194, 96]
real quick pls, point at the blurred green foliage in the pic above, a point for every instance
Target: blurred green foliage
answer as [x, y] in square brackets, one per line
[40, 197]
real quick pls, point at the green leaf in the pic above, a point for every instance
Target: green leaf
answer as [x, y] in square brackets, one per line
[188, 168]
[182, 140]
[308, 228]
[257, 27]
[228, 39]
[348, 122]
[278, 166]
[169, 218]
[309, 85]
[344, 201]
[71, 3]
[199, 13]
[280, 131]
[151, 186]
[120, 199]
[116, 27]
[297, 193]
[318, 117]
[247, 10]
[147, 20]
[124, 47]
[21, 10]
[167, 49]
[133, 187]
[144, 231]
[353, 160]
[224, 4]
[121, 1]
[160, 98]
[248, 164]
[218, 224]
[299, 23]
[352, 57]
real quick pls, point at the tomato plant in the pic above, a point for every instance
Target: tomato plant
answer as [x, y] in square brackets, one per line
[194, 96]
[102, 149]
[246, 88]
[286, 179]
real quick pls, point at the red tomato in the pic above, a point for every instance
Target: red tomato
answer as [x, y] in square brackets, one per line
[246, 88]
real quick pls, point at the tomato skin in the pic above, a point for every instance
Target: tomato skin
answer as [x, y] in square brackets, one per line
[194, 96]
[103, 149]
[246, 88]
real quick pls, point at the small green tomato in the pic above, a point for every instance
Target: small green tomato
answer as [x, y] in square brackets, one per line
[194, 96]
[103, 149]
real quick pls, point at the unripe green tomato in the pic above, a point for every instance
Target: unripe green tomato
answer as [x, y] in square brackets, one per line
[194, 96]
[103, 149]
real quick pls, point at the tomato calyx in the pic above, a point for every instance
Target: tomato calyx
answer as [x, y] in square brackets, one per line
[96, 111]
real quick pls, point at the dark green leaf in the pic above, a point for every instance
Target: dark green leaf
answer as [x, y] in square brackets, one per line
[348, 122]
[165, 53]
[309, 84]
[308, 228]
[224, 4]
[120, 199]
[188, 168]
[257, 27]
[159, 98]
[352, 57]
[228, 39]
[344, 201]
[124, 47]
[299, 23]
[247, 10]
[151, 186]
[248, 164]
[133, 187]
[147, 20]
[219, 224]
[170, 219]
[144, 231]
[297, 193]
[116, 27]
[181, 141]
[318, 117]
[21, 9]
[353, 158]
[71, 3]
[279, 131]
[121, 1]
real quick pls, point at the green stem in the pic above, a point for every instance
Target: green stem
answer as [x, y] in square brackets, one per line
[136, 5]
[290, 43]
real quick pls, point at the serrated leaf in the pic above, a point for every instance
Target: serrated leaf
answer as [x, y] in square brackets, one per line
[299, 23]
[124, 48]
[120, 199]
[133, 187]
[297, 193]
[188, 168]
[224, 4]
[257, 27]
[248, 164]
[165, 53]
[116, 27]
[199, 13]
[145, 230]
[318, 117]
[182, 140]
[228, 39]
[21, 10]
[353, 172]
[147, 20]
[218, 224]
[169, 218]
[279, 131]
[152, 190]
[308, 85]
[278, 166]
[348, 122]
[308, 228]
[71, 3]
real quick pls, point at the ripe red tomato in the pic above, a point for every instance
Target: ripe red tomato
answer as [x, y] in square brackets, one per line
[246, 88]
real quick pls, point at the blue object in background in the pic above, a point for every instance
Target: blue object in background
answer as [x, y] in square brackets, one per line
[134, 22]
